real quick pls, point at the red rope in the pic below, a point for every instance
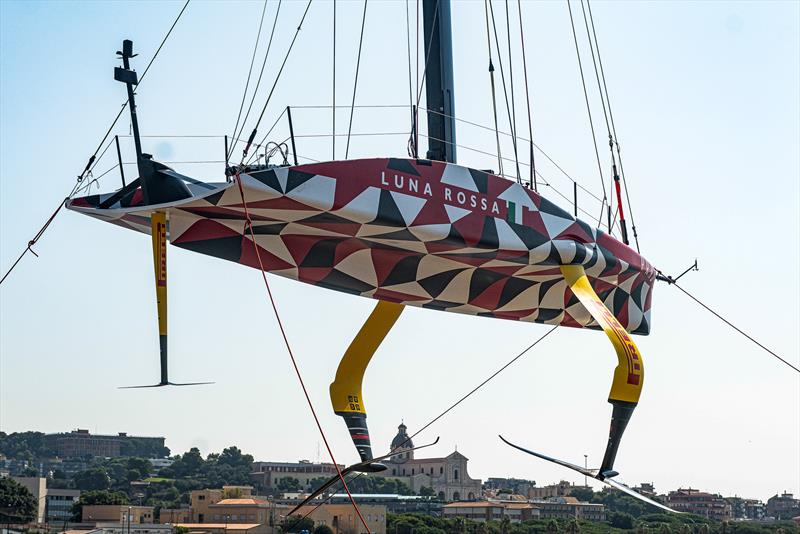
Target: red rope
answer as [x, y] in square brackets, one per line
[291, 355]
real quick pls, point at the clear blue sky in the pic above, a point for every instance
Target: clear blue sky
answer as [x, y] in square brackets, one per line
[706, 100]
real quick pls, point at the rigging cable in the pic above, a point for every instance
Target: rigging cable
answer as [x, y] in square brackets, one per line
[589, 111]
[355, 82]
[511, 81]
[727, 322]
[505, 92]
[333, 84]
[427, 56]
[537, 147]
[527, 98]
[494, 94]
[613, 128]
[275, 84]
[447, 410]
[93, 160]
[249, 73]
[260, 74]
[614, 172]
[412, 149]
[256, 248]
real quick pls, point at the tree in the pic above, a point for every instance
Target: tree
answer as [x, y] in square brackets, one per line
[24, 446]
[620, 520]
[552, 526]
[233, 457]
[189, 464]
[573, 527]
[92, 479]
[504, 523]
[289, 484]
[323, 529]
[425, 491]
[97, 497]
[17, 504]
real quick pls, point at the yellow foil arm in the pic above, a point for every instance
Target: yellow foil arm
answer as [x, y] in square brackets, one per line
[629, 373]
[346, 388]
[158, 222]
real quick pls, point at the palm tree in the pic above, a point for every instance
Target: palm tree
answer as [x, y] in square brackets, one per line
[552, 527]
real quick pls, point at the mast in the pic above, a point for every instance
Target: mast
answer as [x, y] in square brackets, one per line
[439, 89]
[157, 187]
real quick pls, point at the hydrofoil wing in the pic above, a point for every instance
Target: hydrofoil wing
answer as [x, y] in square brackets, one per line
[595, 474]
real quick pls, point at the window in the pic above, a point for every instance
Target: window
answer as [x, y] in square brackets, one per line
[455, 474]
[441, 470]
[412, 471]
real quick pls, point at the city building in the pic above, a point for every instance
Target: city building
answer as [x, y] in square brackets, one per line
[515, 485]
[268, 475]
[562, 489]
[567, 507]
[646, 488]
[175, 515]
[38, 488]
[704, 504]
[202, 500]
[246, 510]
[51, 504]
[133, 528]
[447, 476]
[80, 443]
[481, 511]
[343, 519]
[223, 528]
[117, 513]
[48, 467]
[394, 503]
[747, 509]
[783, 506]
[13, 467]
[59, 504]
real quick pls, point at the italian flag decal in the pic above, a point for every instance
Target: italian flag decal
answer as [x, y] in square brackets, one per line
[514, 212]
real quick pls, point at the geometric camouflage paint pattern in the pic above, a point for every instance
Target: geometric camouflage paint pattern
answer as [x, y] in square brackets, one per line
[416, 232]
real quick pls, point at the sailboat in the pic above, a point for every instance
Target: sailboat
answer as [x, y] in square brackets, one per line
[404, 231]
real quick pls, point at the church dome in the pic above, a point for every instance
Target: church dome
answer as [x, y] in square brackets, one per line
[402, 441]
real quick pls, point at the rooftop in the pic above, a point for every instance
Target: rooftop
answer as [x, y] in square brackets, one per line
[225, 526]
[241, 502]
[474, 504]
